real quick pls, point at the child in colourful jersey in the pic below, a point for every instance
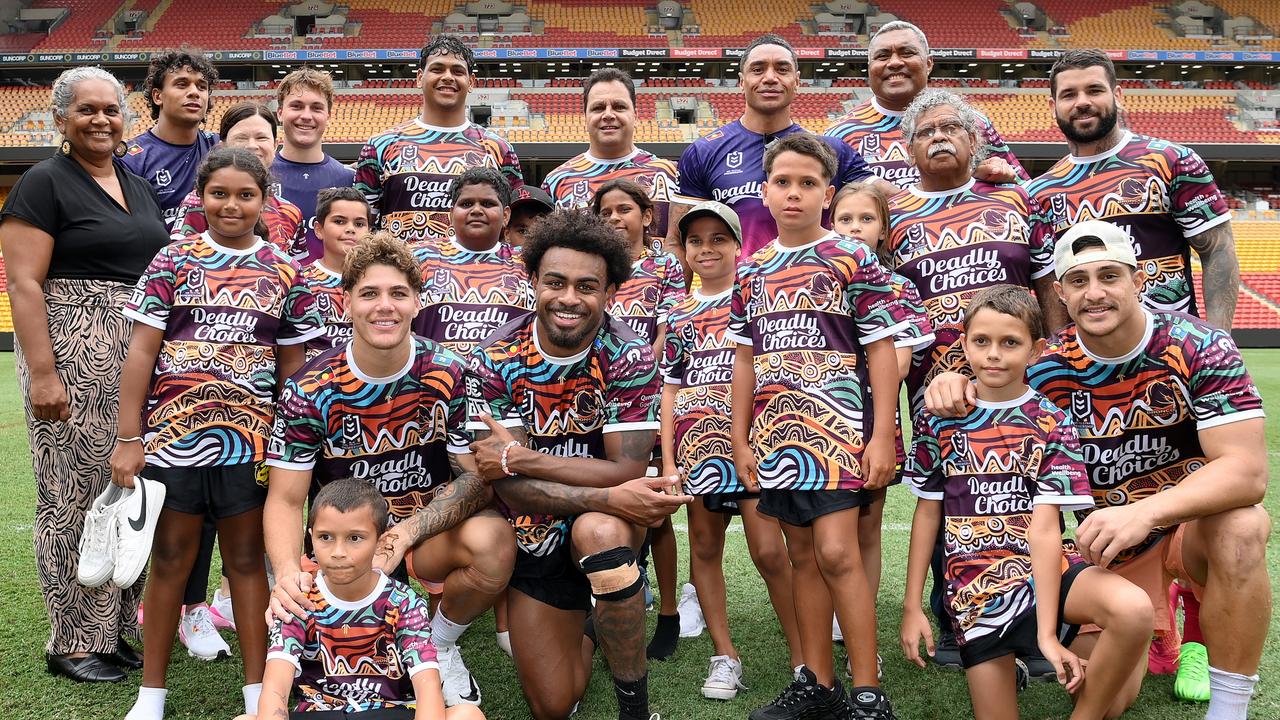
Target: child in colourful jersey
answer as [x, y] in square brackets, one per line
[860, 211]
[252, 126]
[998, 480]
[528, 203]
[472, 282]
[814, 316]
[697, 367]
[217, 318]
[367, 644]
[406, 171]
[643, 302]
[342, 220]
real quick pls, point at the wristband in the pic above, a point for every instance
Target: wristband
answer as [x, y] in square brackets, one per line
[506, 449]
[129, 439]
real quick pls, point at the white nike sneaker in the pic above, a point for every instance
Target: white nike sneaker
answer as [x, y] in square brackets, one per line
[724, 679]
[198, 634]
[98, 540]
[691, 621]
[135, 528]
[455, 679]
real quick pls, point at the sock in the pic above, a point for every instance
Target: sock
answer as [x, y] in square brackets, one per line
[1190, 616]
[665, 637]
[251, 694]
[504, 641]
[1229, 694]
[633, 698]
[445, 631]
[149, 705]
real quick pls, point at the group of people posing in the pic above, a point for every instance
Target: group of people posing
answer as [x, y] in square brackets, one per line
[505, 392]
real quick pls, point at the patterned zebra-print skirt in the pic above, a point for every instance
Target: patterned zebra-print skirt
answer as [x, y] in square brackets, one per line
[90, 338]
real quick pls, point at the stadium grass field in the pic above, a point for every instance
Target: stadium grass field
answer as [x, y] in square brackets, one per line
[212, 690]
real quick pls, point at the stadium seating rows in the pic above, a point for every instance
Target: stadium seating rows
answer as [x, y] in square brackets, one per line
[581, 23]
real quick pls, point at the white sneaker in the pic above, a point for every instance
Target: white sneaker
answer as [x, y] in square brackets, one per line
[455, 679]
[198, 634]
[98, 540]
[724, 679]
[837, 635]
[220, 609]
[135, 528]
[691, 621]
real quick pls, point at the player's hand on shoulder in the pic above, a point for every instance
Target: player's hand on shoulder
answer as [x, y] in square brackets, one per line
[950, 394]
[915, 627]
[289, 597]
[392, 546]
[995, 170]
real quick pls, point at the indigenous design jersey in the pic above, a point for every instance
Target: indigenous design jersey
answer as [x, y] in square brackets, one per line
[467, 294]
[1138, 416]
[1159, 192]
[990, 469]
[356, 656]
[326, 286]
[876, 133]
[171, 169]
[808, 312]
[299, 184]
[646, 298]
[396, 432]
[698, 358]
[282, 218]
[405, 173]
[565, 405]
[727, 165]
[574, 184]
[955, 243]
[918, 336]
[223, 312]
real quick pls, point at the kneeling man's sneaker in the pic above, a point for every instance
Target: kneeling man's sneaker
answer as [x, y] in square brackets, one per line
[1192, 681]
[803, 699]
[135, 528]
[98, 540]
[455, 679]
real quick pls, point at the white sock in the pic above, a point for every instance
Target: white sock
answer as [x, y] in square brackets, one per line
[251, 694]
[1229, 694]
[504, 641]
[445, 631]
[149, 705]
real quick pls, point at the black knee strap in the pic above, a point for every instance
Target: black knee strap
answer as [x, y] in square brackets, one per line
[613, 574]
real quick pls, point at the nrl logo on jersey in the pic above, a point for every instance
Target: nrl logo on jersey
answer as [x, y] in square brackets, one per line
[409, 153]
[163, 178]
[733, 160]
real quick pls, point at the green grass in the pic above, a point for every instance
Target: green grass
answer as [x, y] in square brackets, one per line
[205, 690]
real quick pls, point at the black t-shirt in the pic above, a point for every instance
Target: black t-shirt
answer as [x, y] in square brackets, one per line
[93, 237]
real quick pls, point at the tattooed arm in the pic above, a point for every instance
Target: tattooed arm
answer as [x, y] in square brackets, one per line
[466, 495]
[1217, 250]
[642, 501]
[626, 456]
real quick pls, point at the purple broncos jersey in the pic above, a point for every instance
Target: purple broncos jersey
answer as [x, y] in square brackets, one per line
[299, 183]
[171, 169]
[727, 165]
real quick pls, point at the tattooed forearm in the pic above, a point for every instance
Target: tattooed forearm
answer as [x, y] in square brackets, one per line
[525, 494]
[457, 501]
[637, 445]
[1217, 250]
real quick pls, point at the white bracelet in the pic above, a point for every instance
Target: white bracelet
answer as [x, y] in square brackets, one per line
[129, 439]
[506, 449]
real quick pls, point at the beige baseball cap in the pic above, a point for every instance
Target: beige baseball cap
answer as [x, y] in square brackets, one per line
[1116, 246]
[716, 209]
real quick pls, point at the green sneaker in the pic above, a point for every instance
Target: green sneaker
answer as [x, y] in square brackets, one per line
[1192, 681]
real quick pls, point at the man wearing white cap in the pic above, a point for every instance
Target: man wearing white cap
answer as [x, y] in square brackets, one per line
[1172, 430]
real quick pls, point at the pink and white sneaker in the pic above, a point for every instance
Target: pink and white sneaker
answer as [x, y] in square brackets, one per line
[220, 611]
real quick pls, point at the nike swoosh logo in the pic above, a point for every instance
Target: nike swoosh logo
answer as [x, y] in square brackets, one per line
[141, 522]
[474, 695]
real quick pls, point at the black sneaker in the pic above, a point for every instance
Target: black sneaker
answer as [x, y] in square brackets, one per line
[803, 699]
[835, 702]
[1038, 668]
[946, 653]
[869, 703]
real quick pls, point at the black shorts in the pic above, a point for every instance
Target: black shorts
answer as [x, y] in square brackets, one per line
[727, 503]
[221, 491]
[801, 507]
[393, 713]
[1020, 638]
[554, 579]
